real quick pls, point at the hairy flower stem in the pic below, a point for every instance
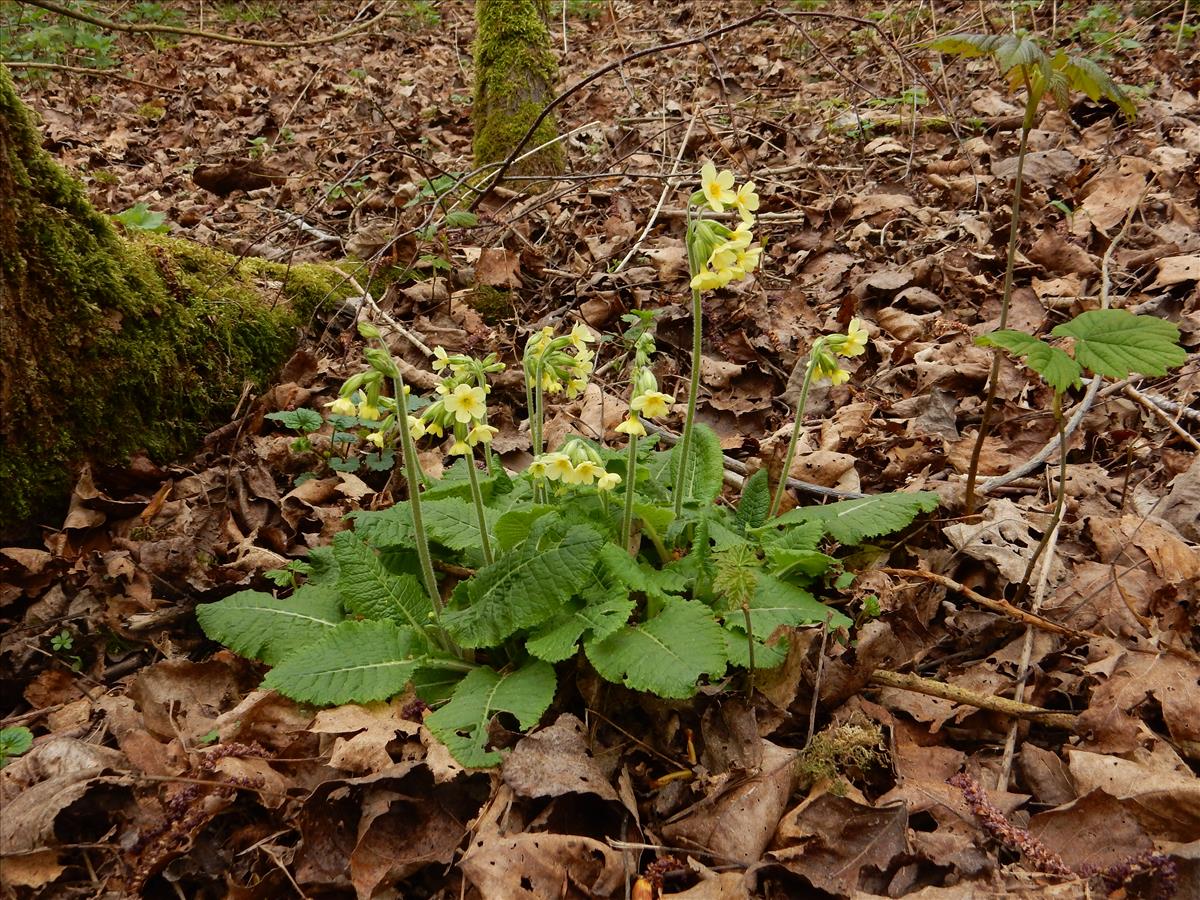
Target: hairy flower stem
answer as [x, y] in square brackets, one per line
[781, 488]
[684, 448]
[1059, 503]
[630, 480]
[477, 496]
[1014, 229]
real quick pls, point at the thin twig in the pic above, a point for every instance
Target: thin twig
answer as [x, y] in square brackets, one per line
[932, 688]
[81, 70]
[156, 28]
[1134, 394]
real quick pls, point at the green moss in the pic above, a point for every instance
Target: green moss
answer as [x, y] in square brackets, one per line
[490, 302]
[112, 344]
[515, 73]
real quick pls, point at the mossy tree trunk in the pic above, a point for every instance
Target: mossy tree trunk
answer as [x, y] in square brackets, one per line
[110, 344]
[515, 74]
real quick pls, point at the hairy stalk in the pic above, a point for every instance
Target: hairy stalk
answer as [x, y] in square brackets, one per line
[994, 374]
[749, 647]
[477, 496]
[781, 488]
[685, 441]
[627, 515]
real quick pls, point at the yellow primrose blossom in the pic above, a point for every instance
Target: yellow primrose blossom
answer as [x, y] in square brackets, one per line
[538, 468]
[434, 428]
[416, 428]
[585, 473]
[856, 339]
[368, 413]
[460, 448]
[717, 187]
[376, 438]
[481, 434]
[708, 280]
[654, 404]
[838, 376]
[558, 465]
[440, 359]
[740, 238]
[746, 201]
[632, 426]
[608, 481]
[342, 406]
[467, 403]
[581, 336]
[575, 387]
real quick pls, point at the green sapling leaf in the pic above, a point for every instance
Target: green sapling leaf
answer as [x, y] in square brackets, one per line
[1056, 367]
[462, 723]
[1115, 342]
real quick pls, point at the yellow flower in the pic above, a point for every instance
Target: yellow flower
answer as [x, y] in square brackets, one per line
[434, 428]
[481, 434]
[708, 280]
[558, 465]
[460, 448]
[740, 238]
[608, 481]
[575, 387]
[717, 187]
[581, 336]
[838, 376]
[746, 201]
[376, 438]
[856, 339]
[538, 468]
[342, 406]
[585, 473]
[440, 359]
[467, 403]
[632, 426]
[652, 403]
[416, 428]
[747, 259]
[368, 413]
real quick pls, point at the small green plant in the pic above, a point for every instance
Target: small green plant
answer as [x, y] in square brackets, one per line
[64, 640]
[31, 34]
[259, 147]
[140, 217]
[1101, 27]
[1110, 343]
[14, 741]
[620, 554]
[1025, 64]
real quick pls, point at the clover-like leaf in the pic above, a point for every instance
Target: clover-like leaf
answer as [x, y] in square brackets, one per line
[1115, 342]
[1055, 366]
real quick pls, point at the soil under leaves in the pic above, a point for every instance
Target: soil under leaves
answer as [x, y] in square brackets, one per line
[159, 769]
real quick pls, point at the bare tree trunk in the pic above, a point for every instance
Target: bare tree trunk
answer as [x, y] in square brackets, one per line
[515, 74]
[110, 344]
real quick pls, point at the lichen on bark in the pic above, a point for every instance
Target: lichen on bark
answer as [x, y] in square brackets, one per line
[515, 74]
[110, 344]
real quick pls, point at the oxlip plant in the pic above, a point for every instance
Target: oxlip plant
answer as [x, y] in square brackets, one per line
[480, 588]
[1026, 65]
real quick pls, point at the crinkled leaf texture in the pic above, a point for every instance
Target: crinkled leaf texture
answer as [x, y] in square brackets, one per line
[850, 521]
[368, 589]
[755, 502]
[1055, 366]
[706, 467]
[462, 723]
[602, 608]
[775, 602]
[356, 662]
[665, 655]
[522, 589]
[260, 626]
[1115, 342]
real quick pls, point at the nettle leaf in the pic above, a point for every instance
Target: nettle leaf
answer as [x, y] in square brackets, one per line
[755, 501]
[259, 626]
[356, 662]
[391, 527]
[1055, 366]
[1115, 342]
[850, 521]
[451, 521]
[522, 589]
[665, 655]
[462, 723]
[706, 466]
[302, 420]
[370, 590]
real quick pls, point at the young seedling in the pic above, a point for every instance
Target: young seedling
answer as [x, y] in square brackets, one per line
[1026, 65]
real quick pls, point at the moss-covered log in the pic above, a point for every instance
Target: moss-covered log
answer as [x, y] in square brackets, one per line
[515, 73]
[109, 344]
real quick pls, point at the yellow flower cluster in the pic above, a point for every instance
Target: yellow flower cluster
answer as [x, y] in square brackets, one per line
[560, 370]
[827, 349]
[647, 401]
[576, 464]
[721, 255]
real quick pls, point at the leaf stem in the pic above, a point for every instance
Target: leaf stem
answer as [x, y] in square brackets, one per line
[781, 488]
[685, 441]
[480, 518]
[1014, 229]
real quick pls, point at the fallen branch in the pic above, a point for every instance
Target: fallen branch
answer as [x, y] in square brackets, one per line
[81, 70]
[932, 688]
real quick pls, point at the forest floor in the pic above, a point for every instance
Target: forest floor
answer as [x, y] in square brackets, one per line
[158, 769]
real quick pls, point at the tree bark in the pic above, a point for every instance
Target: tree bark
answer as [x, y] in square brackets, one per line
[111, 343]
[515, 74]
